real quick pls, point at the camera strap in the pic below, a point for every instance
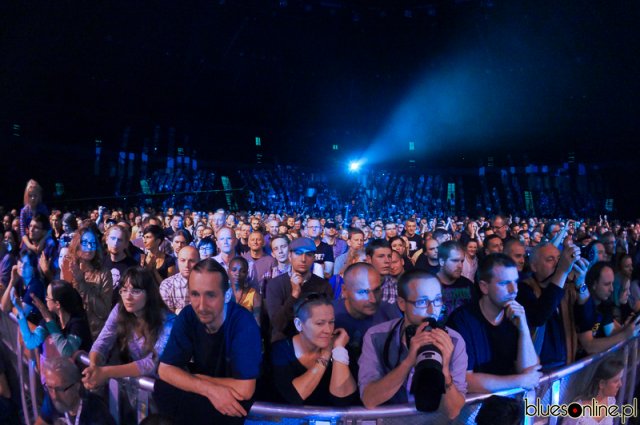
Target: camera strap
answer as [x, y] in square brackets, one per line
[387, 345]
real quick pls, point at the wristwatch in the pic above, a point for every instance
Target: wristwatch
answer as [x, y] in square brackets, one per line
[582, 288]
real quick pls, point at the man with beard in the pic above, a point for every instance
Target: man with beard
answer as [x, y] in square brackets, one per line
[457, 290]
[66, 401]
[496, 333]
[209, 367]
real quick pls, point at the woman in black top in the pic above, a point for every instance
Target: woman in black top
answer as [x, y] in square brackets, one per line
[312, 367]
[160, 264]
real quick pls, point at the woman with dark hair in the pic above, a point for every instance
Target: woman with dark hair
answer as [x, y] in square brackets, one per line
[399, 245]
[8, 258]
[25, 281]
[603, 388]
[312, 367]
[157, 262]
[138, 326]
[64, 322]
[206, 248]
[245, 295]
[83, 267]
[32, 205]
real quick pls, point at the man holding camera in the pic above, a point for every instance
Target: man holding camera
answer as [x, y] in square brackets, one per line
[496, 333]
[393, 352]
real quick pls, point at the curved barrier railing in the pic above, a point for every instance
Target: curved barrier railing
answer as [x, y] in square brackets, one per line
[560, 386]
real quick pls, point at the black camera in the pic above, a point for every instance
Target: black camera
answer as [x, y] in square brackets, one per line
[428, 383]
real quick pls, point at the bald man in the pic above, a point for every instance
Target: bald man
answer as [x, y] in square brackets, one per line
[175, 289]
[361, 307]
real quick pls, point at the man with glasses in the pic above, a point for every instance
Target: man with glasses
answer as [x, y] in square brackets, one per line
[500, 226]
[496, 333]
[284, 290]
[361, 307]
[66, 401]
[387, 363]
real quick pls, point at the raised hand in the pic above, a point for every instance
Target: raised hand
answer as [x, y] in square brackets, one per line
[340, 338]
[296, 284]
[515, 313]
[44, 311]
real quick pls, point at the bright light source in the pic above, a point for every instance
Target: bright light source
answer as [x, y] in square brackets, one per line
[354, 166]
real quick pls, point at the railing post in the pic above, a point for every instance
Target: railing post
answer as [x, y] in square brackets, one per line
[114, 400]
[20, 371]
[633, 364]
[142, 404]
[530, 395]
[32, 383]
[555, 399]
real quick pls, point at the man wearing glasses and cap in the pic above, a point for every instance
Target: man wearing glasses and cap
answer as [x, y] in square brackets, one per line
[284, 290]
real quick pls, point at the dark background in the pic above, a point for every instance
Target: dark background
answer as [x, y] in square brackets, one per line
[517, 80]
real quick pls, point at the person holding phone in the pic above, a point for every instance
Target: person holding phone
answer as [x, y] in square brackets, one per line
[312, 367]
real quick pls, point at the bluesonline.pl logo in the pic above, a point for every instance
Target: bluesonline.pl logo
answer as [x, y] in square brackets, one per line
[577, 410]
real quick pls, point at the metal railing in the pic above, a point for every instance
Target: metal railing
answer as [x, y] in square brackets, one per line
[560, 386]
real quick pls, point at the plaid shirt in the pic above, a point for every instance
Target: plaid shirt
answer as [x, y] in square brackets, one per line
[174, 290]
[389, 289]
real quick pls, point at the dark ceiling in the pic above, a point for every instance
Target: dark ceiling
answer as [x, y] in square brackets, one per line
[540, 78]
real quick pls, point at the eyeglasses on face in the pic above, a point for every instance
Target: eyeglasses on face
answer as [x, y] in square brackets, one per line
[89, 244]
[58, 390]
[135, 292]
[425, 302]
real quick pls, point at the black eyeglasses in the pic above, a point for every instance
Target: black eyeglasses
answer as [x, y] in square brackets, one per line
[312, 296]
[58, 390]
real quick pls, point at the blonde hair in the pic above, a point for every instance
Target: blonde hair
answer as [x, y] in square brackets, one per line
[32, 185]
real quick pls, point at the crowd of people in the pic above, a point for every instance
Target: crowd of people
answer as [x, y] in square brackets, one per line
[223, 308]
[376, 192]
